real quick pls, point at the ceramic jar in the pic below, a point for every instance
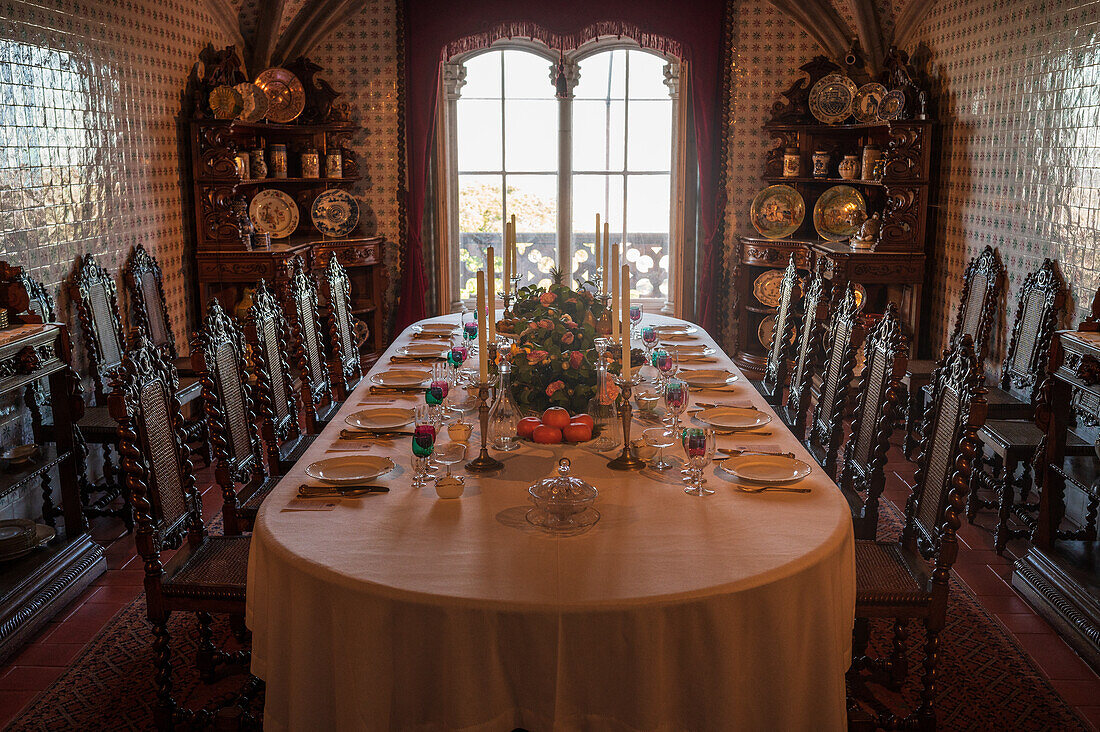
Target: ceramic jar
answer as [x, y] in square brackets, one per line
[792, 164]
[872, 153]
[849, 167]
[258, 167]
[821, 164]
[278, 160]
[243, 168]
[334, 164]
[311, 164]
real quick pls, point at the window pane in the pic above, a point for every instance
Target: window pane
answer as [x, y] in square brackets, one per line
[480, 225]
[482, 76]
[598, 129]
[534, 201]
[531, 135]
[594, 194]
[603, 76]
[647, 219]
[527, 76]
[479, 127]
[649, 142]
[647, 76]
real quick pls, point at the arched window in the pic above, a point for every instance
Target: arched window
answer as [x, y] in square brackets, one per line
[607, 147]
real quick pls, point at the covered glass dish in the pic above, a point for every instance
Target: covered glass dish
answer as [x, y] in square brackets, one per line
[561, 497]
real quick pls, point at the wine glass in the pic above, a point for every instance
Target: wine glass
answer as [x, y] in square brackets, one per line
[675, 391]
[450, 454]
[666, 362]
[469, 334]
[423, 444]
[438, 389]
[699, 444]
[660, 438]
[635, 318]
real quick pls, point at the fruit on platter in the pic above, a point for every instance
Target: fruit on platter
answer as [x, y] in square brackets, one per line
[556, 417]
[556, 426]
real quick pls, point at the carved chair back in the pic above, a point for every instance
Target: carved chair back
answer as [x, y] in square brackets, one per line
[842, 341]
[266, 331]
[346, 368]
[93, 291]
[41, 302]
[775, 371]
[814, 312]
[218, 357]
[155, 457]
[1042, 298]
[302, 301]
[41, 305]
[982, 284]
[150, 308]
[948, 446]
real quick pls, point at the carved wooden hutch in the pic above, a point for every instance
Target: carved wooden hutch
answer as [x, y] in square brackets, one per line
[226, 263]
[894, 268]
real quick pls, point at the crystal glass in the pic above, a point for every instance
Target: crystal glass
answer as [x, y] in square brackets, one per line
[675, 392]
[660, 438]
[450, 454]
[423, 444]
[635, 318]
[438, 390]
[666, 362]
[504, 416]
[699, 446]
[602, 406]
[469, 334]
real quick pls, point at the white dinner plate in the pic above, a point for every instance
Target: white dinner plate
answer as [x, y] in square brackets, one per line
[400, 377]
[666, 330]
[734, 418]
[706, 377]
[677, 337]
[690, 349]
[766, 468]
[423, 350]
[436, 328]
[349, 469]
[380, 418]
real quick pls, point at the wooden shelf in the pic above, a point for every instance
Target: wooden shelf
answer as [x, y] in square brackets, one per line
[238, 124]
[760, 309]
[281, 181]
[818, 127]
[47, 458]
[830, 181]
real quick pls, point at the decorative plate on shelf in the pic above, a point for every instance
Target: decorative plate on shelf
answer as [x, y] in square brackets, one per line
[225, 102]
[777, 211]
[860, 293]
[892, 105]
[831, 98]
[766, 331]
[255, 101]
[285, 95]
[335, 213]
[865, 105]
[766, 287]
[839, 212]
[274, 212]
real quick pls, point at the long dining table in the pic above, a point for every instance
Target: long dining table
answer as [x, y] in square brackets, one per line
[403, 610]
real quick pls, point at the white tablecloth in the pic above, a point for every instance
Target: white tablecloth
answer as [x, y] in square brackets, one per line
[404, 611]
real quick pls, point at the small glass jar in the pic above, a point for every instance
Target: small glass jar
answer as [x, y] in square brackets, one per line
[311, 164]
[872, 153]
[278, 160]
[504, 417]
[792, 163]
[244, 170]
[821, 164]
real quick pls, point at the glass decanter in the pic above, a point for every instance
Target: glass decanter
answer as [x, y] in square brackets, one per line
[504, 417]
[602, 409]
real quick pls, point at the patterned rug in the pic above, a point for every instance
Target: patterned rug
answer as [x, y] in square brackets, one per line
[987, 682]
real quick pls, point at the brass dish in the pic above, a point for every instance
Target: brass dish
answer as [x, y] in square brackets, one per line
[839, 212]
[285, 95]
[777, 211]
[254, 100]
[225, 102]
[866, 102]
[767, 287]
[831, 99]
[892, 105]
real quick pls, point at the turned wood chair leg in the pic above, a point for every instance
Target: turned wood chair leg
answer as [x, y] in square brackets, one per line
[899, 662]
[164, 711]
[913, 410]
[48, 508]
[972, 500]
[925, 714]
[1006, 496]
[206, 657]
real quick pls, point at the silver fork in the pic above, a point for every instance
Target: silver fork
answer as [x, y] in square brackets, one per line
[762, 488]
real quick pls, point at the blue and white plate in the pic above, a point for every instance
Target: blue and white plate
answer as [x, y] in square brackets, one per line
[335, 213]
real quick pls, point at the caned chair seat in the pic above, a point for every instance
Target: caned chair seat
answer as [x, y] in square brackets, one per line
[216, 570]
[251, 504]
[1003, 405]
[888, 575]
[291, 452]
[1002, 435]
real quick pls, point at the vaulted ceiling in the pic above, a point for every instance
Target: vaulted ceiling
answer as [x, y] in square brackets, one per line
[286, 29]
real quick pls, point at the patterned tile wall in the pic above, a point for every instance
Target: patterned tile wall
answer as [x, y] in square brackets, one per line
[1020, 169]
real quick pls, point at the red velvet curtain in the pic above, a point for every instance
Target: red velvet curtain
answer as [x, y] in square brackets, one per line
[438, 29]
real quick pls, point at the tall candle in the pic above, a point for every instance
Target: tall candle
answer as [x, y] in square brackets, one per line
[515, 258]
[491, 300]
[605, 256]
[596, 246]
[483, 354]
[624, 288]
[506, 281]
[613, 275]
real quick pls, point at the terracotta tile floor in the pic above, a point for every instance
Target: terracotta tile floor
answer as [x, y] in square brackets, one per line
[41, 661]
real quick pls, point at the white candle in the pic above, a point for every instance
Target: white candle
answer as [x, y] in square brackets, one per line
[491, 300]
[596, 246]
[506, 281]
[483, 355]
[624, 287]
[613, 275]
[515, 257]
[604, 257]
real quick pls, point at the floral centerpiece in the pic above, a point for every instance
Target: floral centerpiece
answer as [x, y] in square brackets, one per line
[553, 356]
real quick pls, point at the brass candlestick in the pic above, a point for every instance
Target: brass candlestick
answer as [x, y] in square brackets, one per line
[484, 462]
[626, 461]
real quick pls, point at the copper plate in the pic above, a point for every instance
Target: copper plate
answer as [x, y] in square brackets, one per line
[255, 101]
[225, 102]
[865, 104]
[285, 95]
[767, 287]
[839, 212]
[831, 98]
[777, 211]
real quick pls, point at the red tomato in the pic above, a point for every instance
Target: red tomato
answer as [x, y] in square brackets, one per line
[556, 417]
[577, 432]
[546, 435]
[527, 425]
[586, 419]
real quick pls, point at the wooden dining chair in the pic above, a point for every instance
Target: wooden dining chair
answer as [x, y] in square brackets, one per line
[149, 307]
[276, 406]
[218, 357]
[908, 579]
[982, 283]
[344, 365]
[880, 398]
[795, 407]
[774, 382]
[844, 336]
[207, 573]
[318, 404]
